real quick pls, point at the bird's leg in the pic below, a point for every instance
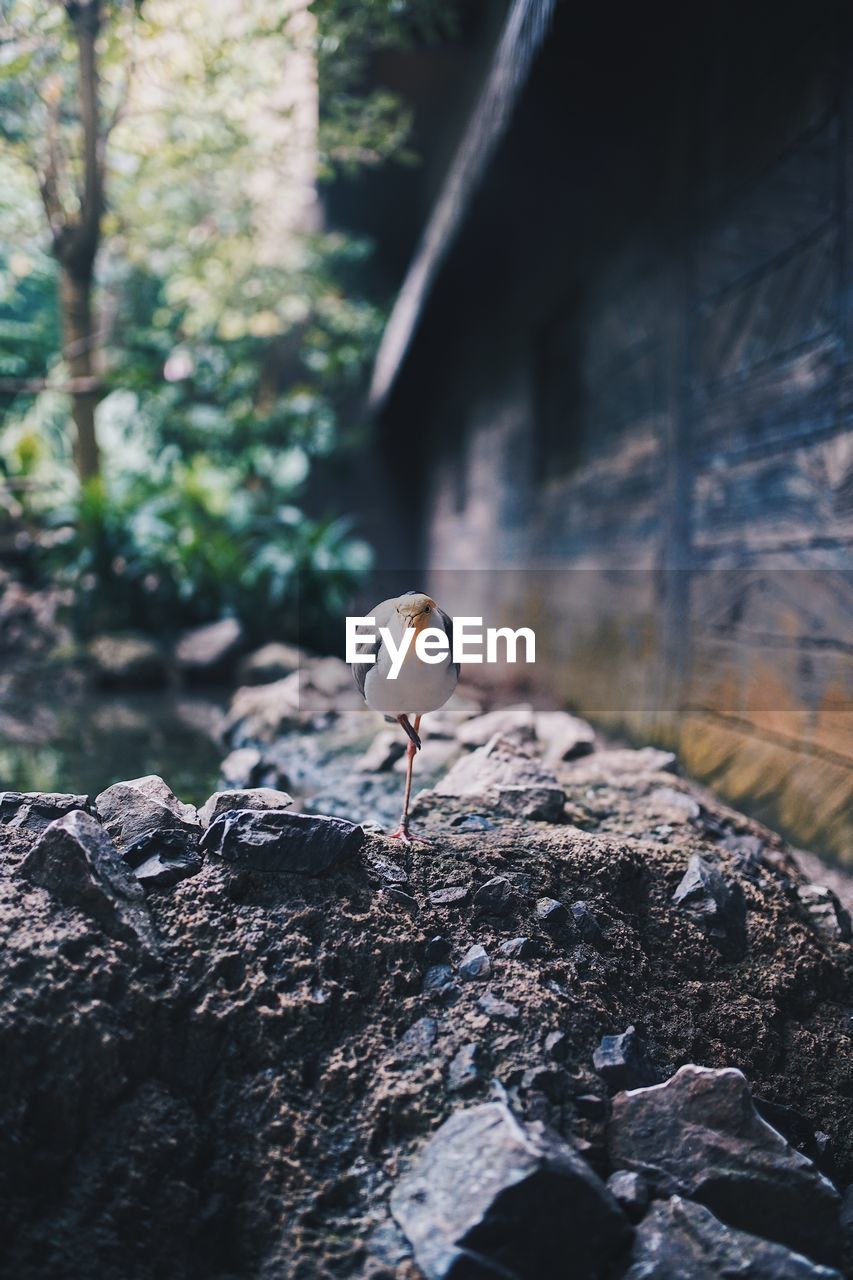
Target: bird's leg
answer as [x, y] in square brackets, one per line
[402, 833]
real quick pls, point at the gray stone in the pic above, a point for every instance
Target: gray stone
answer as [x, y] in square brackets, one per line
[438, 949]
[518, 948]
[503, 775]
[241, 769]
[492, 1007]
[619, 766]
[34, 810]
[452, 896]
[551, 911]
[465, 1069]
[386, 869]
[673, 805]
[495, 897]
[563, 736]
[278, 840]
[208, 650]
[402, 899]
[621, 1061]
[587, 926]
[556, 1046]
[419, 1039]
[826, 915]
[242, 798]
[384, 751]
[77, 862]
[130, 809]
[437, 977]
[714, 905]
[515, 722]
[163, 858]
[698, 1135]
[475, 964]
[491, 1197]
[631, 1192]
[127, 659]
[678, 1240]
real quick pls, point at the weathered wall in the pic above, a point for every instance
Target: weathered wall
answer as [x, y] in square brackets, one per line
[649, 441]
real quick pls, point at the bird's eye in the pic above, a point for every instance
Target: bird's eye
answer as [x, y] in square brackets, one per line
[427, 609]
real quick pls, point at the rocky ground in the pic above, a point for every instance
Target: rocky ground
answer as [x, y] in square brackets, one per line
[599, 1026]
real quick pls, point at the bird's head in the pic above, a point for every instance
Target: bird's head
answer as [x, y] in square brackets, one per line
[416, 610]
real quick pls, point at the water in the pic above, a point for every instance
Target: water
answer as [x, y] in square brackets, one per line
[87, 741]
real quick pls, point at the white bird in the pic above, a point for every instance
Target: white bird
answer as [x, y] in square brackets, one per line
[420, 686]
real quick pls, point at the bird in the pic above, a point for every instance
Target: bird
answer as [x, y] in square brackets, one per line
[419, 688]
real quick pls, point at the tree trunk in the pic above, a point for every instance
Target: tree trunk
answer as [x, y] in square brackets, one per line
[75, 294]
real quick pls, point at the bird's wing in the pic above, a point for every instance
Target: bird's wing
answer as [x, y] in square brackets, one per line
[447, 622]
[381, 613]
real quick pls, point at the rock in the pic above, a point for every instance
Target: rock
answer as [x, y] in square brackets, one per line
[551, 1082]
[127, 659]
[505, 776]
[209, 650]
[495, 897]
[402, 899]
[472, 822]
[271, 662]
[621, 1062]
[278, 840]
[437, 950]
[619, 765]
[518, 948]
[714, 905]
[331, 677]
[241, 769]
[163, 858]
[631, 1192]
[475, 964]
[515, 722]
[678, 1239]
[556, 1046]
[494, 1008]
[77, 862]
[386, 869]
[129, 810]
[825, 913]
[419, 1039]
[563, 736]
[34, 810]
[551, 911]
[587, 926]
[698, 1135]
[673, 805]
[263, 713]
[491, 1196]
[385, 750]
[242, 798]
[464, 1071]
[452, 896]
[437, 977]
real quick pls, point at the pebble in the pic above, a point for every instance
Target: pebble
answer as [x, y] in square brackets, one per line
[551, 911]
[438, 949]
[495, 897]
[621, 1061]
[495, 1008]
[587, 925]
[518, 948]
[475, 964]
[465, 1068]
[452, 896]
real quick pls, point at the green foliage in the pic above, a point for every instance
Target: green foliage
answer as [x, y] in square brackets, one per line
[234, 339]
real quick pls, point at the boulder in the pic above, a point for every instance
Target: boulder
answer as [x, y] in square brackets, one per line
[490, 1196]
[130, 810]
[242, 798]
[563, 736]
[77, 862]
[280, 841]
[208, 651]
[271, 662]
[127, 659]
[716, 906]
[678, 1239]
[34, 810]
[516, 723]
[698, 1135]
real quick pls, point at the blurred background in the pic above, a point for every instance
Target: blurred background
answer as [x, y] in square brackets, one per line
[544, 307]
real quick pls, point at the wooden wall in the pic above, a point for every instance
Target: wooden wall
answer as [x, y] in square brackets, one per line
[657, 466]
